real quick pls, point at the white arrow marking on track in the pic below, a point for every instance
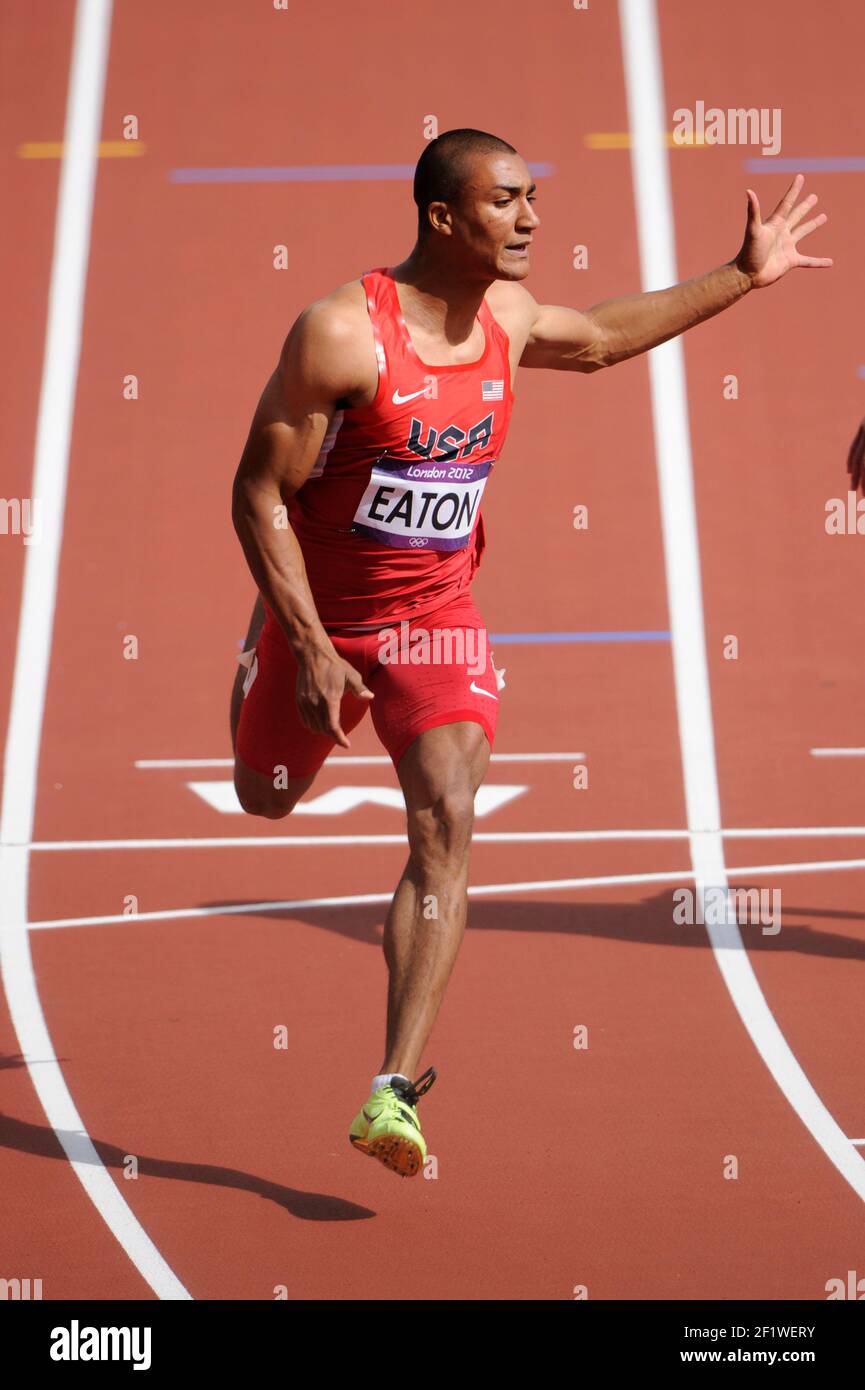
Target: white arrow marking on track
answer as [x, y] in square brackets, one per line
[337, 801]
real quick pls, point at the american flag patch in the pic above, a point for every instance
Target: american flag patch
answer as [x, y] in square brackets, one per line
[492, 390]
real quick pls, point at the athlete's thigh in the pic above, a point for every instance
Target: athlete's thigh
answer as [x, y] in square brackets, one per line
[440, 673]
[272, 740]
[447, 762]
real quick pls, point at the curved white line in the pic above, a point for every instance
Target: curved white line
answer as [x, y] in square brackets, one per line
[56, 409]
[650, 170]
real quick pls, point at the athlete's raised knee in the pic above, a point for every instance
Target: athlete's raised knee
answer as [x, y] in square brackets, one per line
[259, 806]
[255, 802]
[260, 796]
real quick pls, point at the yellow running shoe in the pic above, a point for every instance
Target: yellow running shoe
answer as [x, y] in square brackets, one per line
[387, 1128]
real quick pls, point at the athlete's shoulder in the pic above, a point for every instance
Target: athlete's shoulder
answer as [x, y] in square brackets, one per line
[512, 306]
[332, 338]
[511, 298]
[336, 315]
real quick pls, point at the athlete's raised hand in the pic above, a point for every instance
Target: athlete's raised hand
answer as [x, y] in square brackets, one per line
[856, 461]
[771, 248]
[322, 680]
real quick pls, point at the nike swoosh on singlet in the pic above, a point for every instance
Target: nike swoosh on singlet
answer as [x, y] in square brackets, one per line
[400, 400]
[478, 691]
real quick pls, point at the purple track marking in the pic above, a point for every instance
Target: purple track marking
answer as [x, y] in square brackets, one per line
[829, 164]
[310, 173]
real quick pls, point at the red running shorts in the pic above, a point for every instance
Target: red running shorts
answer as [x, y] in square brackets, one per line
[423, 673]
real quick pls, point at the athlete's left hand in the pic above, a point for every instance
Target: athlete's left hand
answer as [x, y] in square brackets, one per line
[770, 248]
[856, 461]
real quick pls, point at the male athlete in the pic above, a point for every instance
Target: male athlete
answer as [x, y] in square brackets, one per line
[357, 504]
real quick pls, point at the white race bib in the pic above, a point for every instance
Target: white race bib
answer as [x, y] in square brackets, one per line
[425, 504]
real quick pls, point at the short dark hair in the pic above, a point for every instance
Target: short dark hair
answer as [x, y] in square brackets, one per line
[441, 169]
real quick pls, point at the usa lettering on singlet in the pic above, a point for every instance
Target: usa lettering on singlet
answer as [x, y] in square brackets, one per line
[389, 520]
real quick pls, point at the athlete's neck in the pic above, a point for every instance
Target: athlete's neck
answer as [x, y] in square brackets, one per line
[441, 301]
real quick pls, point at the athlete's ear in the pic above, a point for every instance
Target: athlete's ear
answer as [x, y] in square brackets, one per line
[440, 218]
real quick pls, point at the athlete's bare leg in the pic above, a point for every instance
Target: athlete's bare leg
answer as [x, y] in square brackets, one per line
[439, 774]
[255, 790]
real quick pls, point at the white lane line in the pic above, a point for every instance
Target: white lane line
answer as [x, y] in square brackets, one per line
[358, 759]
[812, 866]
[53, 431]
[382, 760]
[490, 837]
[750, 871]
[650, 169]
[358, 900]
[800, 832]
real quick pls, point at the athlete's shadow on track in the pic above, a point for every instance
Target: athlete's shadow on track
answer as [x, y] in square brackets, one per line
[649, 921]
[308, 1206]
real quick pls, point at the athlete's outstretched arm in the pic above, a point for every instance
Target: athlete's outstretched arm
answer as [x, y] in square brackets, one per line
[320, 363]
[620, 328]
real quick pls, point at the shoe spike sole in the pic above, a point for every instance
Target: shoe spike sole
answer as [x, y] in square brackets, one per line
[400, 1155]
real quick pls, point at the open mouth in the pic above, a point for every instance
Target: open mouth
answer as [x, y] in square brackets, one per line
[519, 250]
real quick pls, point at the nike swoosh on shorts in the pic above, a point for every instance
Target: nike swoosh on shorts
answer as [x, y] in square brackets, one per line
[478, 691]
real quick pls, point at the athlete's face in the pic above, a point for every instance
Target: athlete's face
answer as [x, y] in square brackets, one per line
[495, 217]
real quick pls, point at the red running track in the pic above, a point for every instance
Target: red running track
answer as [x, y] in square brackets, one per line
[600, 1167]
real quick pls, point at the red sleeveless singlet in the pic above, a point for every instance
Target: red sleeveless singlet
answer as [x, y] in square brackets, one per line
[389, 520]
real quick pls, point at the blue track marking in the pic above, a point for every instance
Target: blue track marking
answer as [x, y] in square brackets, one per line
[502, 638]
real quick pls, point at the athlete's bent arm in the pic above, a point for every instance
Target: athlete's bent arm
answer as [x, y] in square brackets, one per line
[617, 329]
[318, 366]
